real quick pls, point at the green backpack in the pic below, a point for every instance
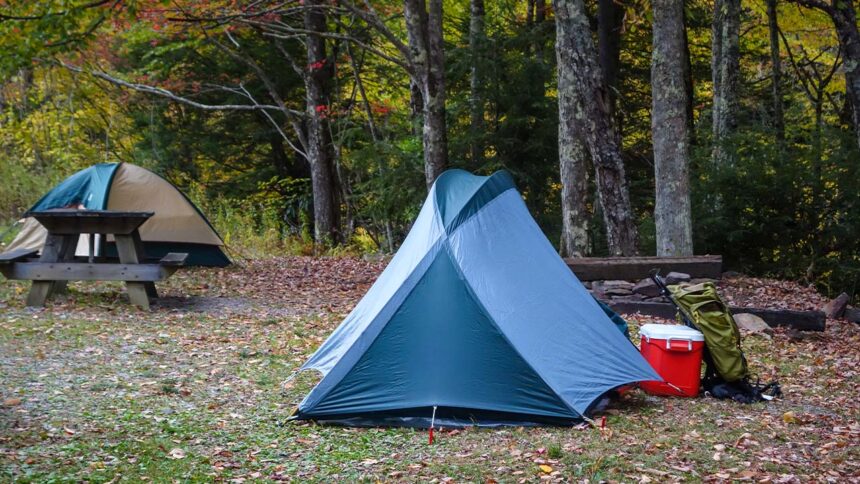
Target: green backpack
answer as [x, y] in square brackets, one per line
[712, 317]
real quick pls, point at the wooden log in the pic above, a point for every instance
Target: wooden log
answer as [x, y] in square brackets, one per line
[800, 320]
[636, 268]
[81, 271]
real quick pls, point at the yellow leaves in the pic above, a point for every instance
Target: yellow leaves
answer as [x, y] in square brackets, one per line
[546, 469]
[789, 418]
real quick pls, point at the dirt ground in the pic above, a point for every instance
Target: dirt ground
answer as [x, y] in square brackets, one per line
[93, 389]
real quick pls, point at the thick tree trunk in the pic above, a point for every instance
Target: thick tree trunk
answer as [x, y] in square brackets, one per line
[669, 129]
[318, 147]
[573, 165]
[726, 71]
[476, 101]
[776, 71]
[845, 19]
[588, 109]
[424, 30]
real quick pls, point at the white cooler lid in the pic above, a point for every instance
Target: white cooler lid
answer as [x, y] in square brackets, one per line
[674, 331]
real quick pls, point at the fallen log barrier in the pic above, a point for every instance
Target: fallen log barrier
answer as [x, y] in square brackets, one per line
[800, 320]
[636, 268]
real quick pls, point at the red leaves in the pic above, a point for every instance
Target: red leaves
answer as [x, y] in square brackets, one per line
[380, 109]
[317, 65]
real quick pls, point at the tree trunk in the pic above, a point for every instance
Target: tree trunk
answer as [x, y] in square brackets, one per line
[726, 71]
[610, 18]
[776, 72]
[424, 29]
[318, 147]
[845, 19]
[476, 102]
[669, 129]
[540, 38]
[587, 105]
[573, 166]
[688, 85]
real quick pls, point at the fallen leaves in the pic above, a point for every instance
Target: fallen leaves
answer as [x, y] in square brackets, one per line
[227, 349]
[176, 453]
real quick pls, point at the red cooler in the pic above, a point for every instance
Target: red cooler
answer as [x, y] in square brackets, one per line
[675, 352]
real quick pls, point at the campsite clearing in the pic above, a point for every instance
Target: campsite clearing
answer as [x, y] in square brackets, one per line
[92, 388]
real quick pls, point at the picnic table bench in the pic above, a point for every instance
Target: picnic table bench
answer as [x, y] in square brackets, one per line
[58, 264]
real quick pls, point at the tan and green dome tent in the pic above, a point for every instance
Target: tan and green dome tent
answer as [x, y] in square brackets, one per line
[177, 226]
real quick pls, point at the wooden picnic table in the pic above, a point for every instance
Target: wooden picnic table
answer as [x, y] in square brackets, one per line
[57, 264]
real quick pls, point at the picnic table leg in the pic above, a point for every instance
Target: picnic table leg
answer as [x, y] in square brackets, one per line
[56, 246]
[128, 254]
[141, 257]
[68, 254]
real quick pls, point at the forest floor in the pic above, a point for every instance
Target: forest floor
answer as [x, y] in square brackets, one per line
[93, 389]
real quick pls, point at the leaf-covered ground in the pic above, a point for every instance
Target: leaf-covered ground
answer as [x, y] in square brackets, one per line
[92, 389]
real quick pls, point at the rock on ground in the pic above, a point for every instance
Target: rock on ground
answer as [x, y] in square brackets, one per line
[677, 278]
[750, 324]
[647, 288]
[836, 307]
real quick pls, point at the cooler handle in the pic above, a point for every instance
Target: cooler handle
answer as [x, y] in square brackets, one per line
[669, 343]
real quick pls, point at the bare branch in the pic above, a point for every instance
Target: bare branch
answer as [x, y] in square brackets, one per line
[158, 91]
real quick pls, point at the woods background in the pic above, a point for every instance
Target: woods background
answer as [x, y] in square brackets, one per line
[667, 127]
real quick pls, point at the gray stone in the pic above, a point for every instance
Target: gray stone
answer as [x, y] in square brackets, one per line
[631, 297]
[836, 307]
[677, 278]
[657, 299]
[852, 314]
[750, 324]
[617, 291]
[597, 290]
[647, 288]
[621, 284]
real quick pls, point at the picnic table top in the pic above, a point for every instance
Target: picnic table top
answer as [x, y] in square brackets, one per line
[70, 221]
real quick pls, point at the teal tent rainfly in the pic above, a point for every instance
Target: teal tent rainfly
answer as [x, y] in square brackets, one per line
[177, 226]
[477, 316]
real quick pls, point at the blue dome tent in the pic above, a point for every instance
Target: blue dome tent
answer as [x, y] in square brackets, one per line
[476, 316]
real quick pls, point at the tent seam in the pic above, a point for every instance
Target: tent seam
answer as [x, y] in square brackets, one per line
[484, 206]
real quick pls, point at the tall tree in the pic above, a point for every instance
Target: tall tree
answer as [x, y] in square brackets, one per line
[610, 20]
[844, 18]
[776, 70]
[670, 131]
[424, 27]
[725, 69]
[476, 101]
[319, 150]
[584, 99]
